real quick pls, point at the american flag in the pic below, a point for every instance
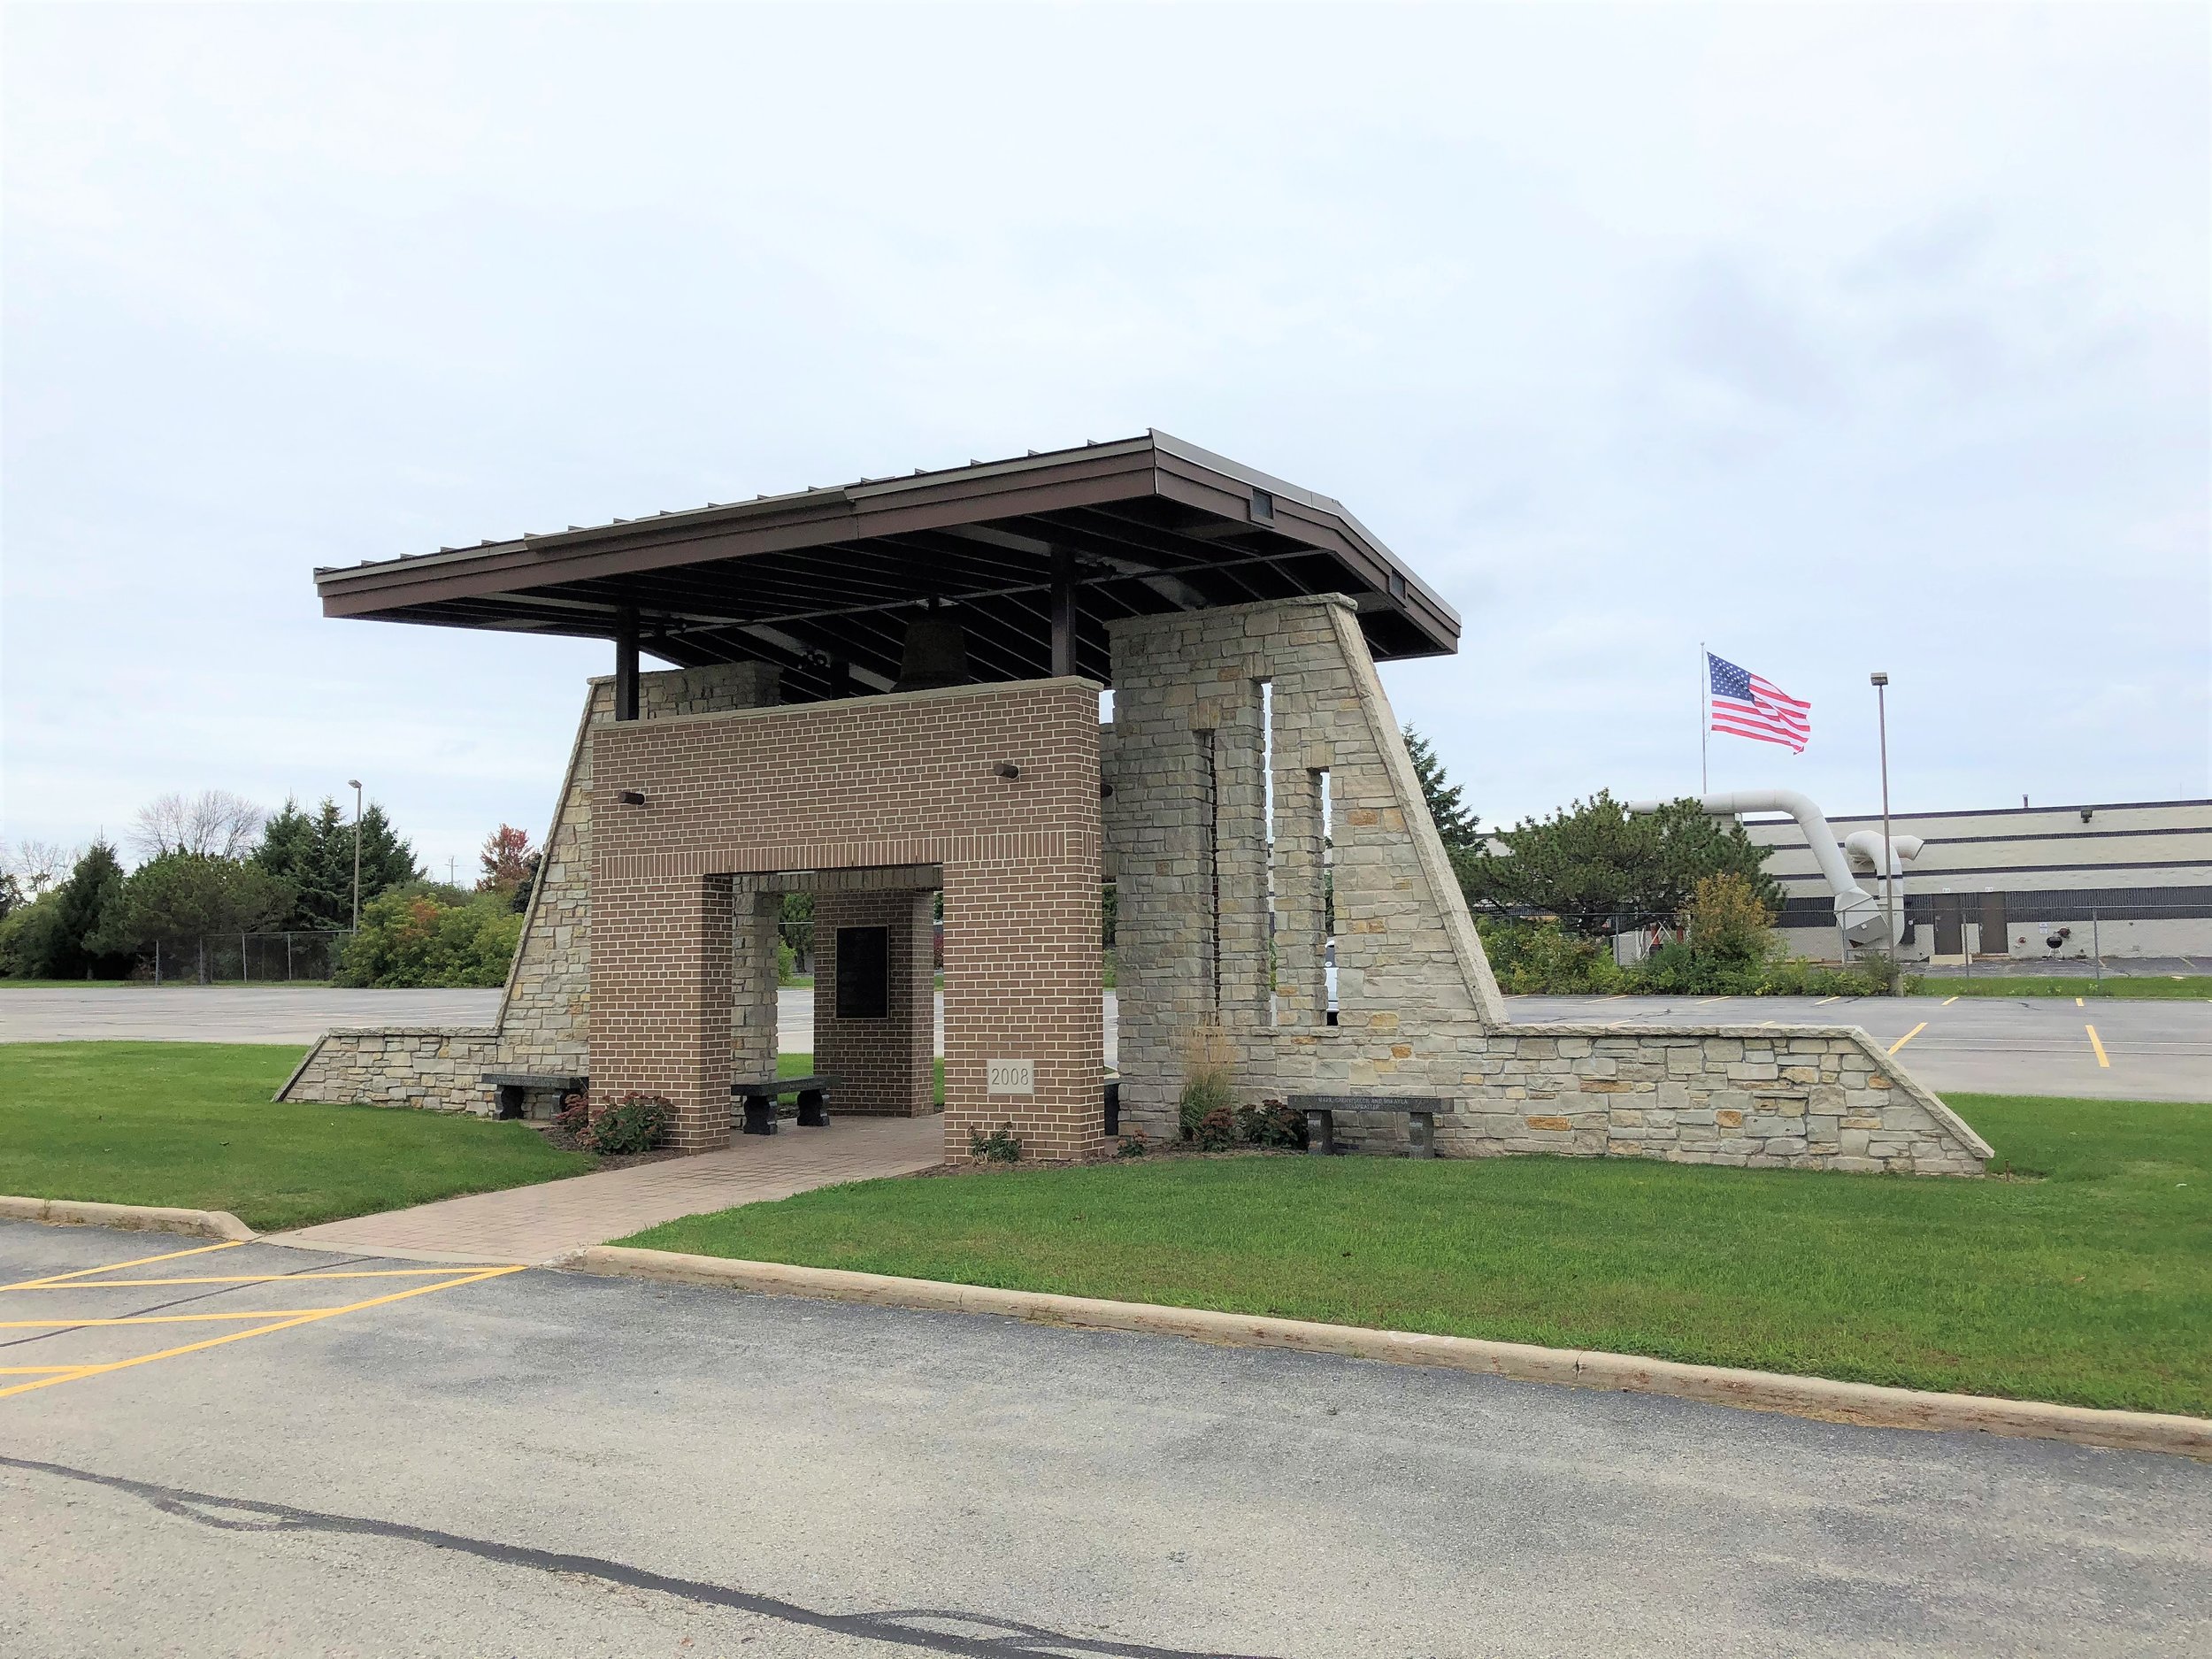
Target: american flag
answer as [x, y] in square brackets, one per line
[1745, 705]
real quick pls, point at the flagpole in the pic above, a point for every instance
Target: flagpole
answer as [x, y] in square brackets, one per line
[1704, 726]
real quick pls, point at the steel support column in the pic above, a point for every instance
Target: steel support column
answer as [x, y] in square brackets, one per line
[626, 663]
[1063, 612]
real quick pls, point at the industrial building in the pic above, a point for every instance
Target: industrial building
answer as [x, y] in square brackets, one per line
[2127, 880]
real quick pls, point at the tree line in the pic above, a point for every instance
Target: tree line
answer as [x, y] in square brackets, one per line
[216, 866]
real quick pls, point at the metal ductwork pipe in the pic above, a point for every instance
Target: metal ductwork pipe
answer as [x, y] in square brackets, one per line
[1858, 913]
[1864, 846]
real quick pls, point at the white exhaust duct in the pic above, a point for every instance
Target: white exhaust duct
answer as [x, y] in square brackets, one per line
[1858, 913]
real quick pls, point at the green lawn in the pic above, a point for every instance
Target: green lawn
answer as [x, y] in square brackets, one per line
[62, 985]
[2159, 987]
[2092, 1285]
[191, 1124]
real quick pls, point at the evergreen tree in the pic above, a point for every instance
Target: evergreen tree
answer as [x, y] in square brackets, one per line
[314, 854]
[178, 898]
[67, 942]
[1594, 866]
[1455, 826]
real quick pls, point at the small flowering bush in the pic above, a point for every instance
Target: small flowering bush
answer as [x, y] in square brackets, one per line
[634, 1124]
[1000, 1145]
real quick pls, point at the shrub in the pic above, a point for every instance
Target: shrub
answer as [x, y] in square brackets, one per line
[1000, 1145]
[1729, 921]
[636, 1123]
[424, 935]
[1271, 1124]
[1215, 1131]
[1537, 957]
[1133, 1145]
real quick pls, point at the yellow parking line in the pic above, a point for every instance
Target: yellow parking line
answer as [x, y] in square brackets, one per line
[34, 1370]
[2079, 1003]
[1948, 1000]
[55, 1279]
[2098, 1046]
[244, 1279]
[156, 1318]
[1908, 1036]
[1826, 1000]
[473, 1278]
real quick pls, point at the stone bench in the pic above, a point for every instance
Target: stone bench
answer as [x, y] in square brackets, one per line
[759, 1099]
[512, 1085]
[1320, 1112]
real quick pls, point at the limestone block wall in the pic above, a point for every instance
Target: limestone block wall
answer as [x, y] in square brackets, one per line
[1753, 1096]
[433, 1067]
[1187, 825]
[1205, 704]
[544, 1020]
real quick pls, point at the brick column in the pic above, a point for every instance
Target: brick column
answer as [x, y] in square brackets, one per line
[661, 998]
[1022, 972]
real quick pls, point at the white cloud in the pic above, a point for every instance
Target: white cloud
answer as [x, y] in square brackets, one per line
[1841, 338]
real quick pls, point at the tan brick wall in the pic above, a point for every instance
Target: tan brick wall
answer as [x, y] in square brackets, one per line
[860, 784]
[544, 1018]
[884, 1067]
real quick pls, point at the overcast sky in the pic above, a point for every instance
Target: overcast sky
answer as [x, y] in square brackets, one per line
[1841, 339]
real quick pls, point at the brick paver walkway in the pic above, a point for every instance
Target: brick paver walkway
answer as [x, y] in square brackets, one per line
[534, 1224]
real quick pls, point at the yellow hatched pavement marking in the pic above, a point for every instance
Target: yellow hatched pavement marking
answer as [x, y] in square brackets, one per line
[157, 1318]
[2098, 1046]
[242, 1278]
[1908, 1036]
[78, 1373]
[112, 1267]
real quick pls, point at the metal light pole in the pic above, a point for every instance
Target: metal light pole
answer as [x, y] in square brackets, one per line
[357, 850]
[1880, 682]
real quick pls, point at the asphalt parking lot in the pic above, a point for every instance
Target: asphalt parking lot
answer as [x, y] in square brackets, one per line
[2094, 1048]
[534, 1464]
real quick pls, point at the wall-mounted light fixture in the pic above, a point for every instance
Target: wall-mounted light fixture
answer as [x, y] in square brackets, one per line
[2088, 812]
[1263, 506]
[632, 798]
[1105, 791]
[1007, 769]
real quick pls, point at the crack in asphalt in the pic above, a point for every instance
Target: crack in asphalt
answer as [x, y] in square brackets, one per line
[902, 1627]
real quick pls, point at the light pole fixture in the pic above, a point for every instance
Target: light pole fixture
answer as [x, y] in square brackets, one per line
[356, 785]
[1880, 682]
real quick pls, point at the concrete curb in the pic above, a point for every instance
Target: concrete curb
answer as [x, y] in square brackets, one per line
[69, 1212]
[1866, 1404]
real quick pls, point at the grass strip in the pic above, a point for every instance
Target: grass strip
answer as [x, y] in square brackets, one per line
[2090, 1285]
[191, 1125]
[2141, 987]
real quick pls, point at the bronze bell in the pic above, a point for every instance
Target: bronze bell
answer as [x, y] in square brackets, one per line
[936, 653]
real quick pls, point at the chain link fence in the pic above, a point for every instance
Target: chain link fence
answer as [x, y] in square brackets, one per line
[247, 958]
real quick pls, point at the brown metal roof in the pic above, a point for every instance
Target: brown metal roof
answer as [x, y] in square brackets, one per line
[1153, 524]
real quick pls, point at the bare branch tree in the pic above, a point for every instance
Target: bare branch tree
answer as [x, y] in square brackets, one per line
[213, 823]
[39, 865]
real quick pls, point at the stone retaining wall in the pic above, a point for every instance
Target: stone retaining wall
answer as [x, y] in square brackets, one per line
[432, 1067]
[1751, 1096]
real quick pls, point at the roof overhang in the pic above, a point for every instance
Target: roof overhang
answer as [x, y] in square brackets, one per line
[1152, 524]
